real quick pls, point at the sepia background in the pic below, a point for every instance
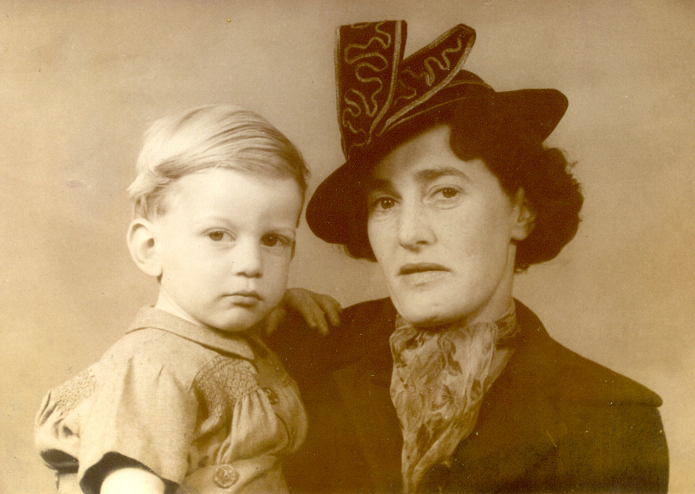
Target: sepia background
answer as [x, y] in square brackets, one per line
[81, 80]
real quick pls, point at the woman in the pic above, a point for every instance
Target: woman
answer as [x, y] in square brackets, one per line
[452, 385]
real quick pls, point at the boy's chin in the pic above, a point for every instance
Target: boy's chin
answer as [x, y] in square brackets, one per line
[238, 324]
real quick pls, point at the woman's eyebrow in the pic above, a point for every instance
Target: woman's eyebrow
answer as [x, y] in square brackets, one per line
[377, 184]
[435, 173]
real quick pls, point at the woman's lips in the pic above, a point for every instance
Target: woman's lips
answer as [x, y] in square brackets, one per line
[421, 273]
[420, 267]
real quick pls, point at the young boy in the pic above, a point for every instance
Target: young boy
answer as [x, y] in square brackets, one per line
[191, 398]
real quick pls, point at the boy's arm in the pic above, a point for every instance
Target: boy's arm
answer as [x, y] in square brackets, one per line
[132, 479]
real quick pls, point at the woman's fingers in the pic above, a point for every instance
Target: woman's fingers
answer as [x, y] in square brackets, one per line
[273, 320]
[314, 307]
[330, 307]
[321, 323]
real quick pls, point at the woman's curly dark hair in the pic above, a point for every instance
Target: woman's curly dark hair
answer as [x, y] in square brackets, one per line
[518, 160]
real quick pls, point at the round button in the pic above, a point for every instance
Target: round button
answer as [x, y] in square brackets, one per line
[272, 396]
[225, 476]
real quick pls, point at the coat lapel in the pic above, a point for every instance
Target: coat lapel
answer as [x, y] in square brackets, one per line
[519, 427]
[376, 425]
[518, 430]
[364, 391]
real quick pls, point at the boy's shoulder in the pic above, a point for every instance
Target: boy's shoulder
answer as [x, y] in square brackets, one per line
[156, 348]
[160, 343]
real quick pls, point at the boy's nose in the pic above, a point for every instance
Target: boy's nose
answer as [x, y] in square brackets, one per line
[247, 259]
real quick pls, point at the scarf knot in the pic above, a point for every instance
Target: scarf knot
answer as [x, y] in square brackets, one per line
[438, 382]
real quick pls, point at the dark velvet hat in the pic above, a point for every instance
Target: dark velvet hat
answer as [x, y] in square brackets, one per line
[382, 97]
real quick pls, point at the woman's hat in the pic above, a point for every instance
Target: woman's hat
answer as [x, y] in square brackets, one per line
[382, 97]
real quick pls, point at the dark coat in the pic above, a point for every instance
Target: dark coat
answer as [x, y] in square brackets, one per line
[552, 421]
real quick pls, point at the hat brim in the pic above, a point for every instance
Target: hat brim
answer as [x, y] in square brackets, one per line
[533, 112]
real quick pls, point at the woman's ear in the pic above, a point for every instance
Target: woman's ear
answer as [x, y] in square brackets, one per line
[523, 216]
[143, 246]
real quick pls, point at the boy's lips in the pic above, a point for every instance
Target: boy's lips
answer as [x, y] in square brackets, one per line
[244, 297]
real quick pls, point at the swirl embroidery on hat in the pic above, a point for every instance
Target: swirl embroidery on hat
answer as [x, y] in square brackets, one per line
[429, 70]
[368, 65]
[428, 75]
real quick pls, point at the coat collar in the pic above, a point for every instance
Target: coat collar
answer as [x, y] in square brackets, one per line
[519, 423]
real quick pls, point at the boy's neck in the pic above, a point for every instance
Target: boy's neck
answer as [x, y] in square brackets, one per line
[165, 303]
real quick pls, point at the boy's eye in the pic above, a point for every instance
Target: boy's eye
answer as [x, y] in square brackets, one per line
[216, 236]
[274, 240]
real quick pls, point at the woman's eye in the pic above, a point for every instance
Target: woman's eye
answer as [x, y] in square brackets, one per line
[448, 192]
[382, 203]
[216, 236]
[386, 203]
[443, 197]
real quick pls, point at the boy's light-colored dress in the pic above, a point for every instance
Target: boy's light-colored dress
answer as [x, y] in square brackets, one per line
[211, 411]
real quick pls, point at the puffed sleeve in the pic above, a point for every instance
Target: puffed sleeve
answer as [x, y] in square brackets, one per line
[143, 411]
[58, 421]
[128, 407]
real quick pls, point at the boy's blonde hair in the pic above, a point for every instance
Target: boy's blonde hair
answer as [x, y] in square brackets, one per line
[213, 136]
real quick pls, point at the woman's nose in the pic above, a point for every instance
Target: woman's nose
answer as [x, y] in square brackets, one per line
[413, 227]
[247, 259]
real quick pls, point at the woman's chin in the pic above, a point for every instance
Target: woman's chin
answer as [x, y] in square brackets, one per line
[428, 318]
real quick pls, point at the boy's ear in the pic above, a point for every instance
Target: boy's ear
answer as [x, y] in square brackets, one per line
[524, 217]
[143, 246]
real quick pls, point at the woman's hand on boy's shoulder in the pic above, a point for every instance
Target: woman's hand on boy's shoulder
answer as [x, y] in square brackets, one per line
[313, 307]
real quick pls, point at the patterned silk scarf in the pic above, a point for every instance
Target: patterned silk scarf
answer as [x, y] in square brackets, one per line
[437, 386]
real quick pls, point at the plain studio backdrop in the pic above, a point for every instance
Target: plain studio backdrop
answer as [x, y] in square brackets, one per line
[80, 82]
